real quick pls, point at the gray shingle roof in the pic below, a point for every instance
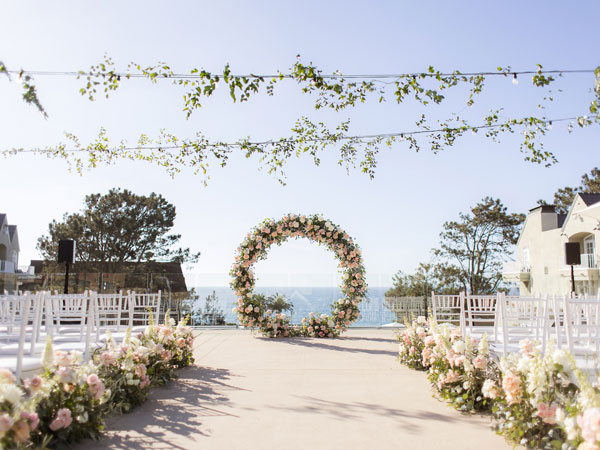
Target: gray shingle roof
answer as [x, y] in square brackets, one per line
[560, 220]
[11, 231]
[590, 199]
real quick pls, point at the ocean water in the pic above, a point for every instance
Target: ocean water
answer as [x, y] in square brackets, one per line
[305, 300]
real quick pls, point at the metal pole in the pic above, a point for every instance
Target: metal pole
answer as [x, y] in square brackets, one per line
[425, 301]
[572, 281]
[67, 278]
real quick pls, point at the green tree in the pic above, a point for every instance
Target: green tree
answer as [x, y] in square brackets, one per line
[441, 278]
[117, 227]
[279, 303]
[419, 284]
[211, 314]
[276, 302]
[563, 197]
[475, 246]
[407, 286]
[447, 279]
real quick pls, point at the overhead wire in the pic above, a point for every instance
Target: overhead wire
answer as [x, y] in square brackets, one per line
[328, 76]
[400, 134]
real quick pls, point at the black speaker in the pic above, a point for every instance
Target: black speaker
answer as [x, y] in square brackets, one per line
[572, 255]
[66, 251]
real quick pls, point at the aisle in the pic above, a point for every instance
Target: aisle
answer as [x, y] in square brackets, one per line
[257, 393]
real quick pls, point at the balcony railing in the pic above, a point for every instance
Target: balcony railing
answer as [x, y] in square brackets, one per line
[7, 266]
[588, 261]
[515, 267]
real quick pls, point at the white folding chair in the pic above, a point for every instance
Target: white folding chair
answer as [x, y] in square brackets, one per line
[481, 315]
[141, 306]
[15, 314]
[67, 316]
[581, 325]
[521, 318]
[71, 320]
[110, 310]
[33, 337]
[449, 309]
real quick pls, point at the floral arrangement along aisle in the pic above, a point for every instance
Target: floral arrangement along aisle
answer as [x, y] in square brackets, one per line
[456, 367]
[70, 399]
[251, 313]
[537, 400]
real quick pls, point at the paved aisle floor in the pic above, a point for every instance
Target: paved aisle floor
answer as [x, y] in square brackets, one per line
[256, 393]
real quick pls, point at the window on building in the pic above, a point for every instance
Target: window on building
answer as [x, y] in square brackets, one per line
[525, 262]
[589, 249]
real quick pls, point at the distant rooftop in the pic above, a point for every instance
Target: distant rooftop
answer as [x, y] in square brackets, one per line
[543, 208]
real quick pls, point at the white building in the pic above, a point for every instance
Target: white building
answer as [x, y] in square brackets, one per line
[9, 246]
[9, 255]
[540, 267]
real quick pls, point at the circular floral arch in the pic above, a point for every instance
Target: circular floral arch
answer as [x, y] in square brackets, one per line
[251, 311]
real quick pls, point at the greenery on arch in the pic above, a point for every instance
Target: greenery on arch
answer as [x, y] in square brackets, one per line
[252, 311]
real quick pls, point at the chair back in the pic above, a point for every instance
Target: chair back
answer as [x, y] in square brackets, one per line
[107, 310]
[449, 309]
[581, 325]
[15, 313]
[522, 318]
[142, 306]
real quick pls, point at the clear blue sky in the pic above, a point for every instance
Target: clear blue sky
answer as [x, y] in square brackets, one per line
[396, 218]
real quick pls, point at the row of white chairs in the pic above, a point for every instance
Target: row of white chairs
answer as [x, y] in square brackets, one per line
[572, 323]
[80, 322]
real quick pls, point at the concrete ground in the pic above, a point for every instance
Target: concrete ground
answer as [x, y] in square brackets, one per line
[248, 392]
